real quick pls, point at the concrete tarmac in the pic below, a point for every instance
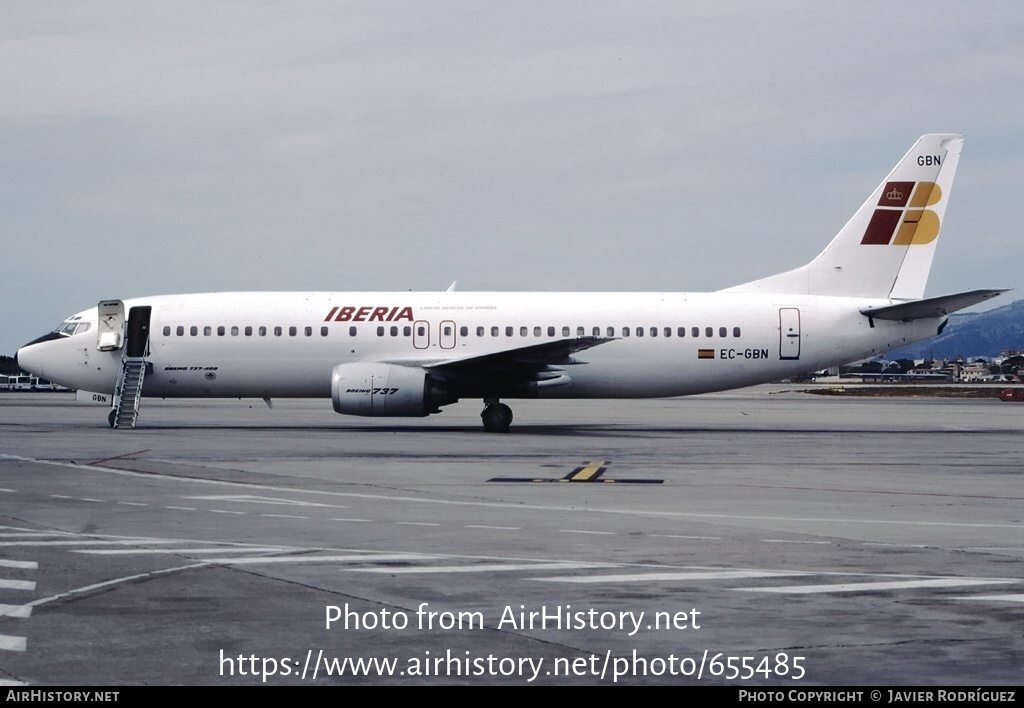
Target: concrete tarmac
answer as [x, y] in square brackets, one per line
[762, 537]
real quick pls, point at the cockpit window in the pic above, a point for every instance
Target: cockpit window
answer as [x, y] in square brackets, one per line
[72, 326]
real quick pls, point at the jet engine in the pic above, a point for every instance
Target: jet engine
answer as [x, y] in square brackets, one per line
[373, 389]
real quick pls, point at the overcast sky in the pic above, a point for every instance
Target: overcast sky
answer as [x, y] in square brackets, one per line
[156, 147]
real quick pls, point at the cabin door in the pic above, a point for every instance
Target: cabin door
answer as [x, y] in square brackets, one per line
[110, 325]
[789, 333]
[137, 341]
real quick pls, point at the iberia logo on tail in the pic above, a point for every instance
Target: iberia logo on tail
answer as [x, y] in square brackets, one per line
[901, 218]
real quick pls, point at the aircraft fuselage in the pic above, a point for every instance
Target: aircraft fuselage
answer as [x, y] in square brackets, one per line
[264, 344]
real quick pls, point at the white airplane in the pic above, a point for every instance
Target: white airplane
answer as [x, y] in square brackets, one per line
[408, 354]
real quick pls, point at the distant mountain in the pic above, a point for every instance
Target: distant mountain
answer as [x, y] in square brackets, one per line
[973, 334]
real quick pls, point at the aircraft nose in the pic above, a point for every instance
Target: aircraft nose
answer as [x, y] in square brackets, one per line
[24, 359]
[29, 358]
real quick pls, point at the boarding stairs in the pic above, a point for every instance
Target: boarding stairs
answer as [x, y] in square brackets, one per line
[133, 369]
[129, 391]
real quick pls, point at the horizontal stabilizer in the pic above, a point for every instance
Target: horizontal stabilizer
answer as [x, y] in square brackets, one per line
[930, 307]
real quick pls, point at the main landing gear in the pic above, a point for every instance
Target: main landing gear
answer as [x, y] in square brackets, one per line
[497, 416]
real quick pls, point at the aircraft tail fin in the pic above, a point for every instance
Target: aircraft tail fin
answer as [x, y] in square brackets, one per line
[886, 249]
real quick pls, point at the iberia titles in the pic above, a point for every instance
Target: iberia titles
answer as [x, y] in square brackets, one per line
[369, 314]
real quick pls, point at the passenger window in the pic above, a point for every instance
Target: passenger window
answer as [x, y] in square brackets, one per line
[479, 331]
[394, 331]
[180, 331]
[193, 331]
[611, 331]
[508, 331]
[735, 331]
[551, 331]
[167, 331]
[625, 331]
[639, 331]
[524, 331]
[323, 331]
[565, 331]
[248, 331]
[723, 332]
[407, 331]
[695, 331]
[668, 331]
[277, 331]
[579, 331]
[292, 331]
[380, 331]
[263, 331]
[308, 331]
[709, 331]
[536, 331]
[220, 331]
[207, 331]
[494, 331]
[464, 331]
[352, 331]
[681, 332]
[234, 331]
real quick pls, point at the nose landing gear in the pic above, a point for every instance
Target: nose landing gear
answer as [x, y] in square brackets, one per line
[497, 417]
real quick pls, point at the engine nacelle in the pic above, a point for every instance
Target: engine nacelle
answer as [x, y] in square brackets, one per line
[371, 389]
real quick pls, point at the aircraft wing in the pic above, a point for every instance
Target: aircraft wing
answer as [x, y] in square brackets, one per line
[536, 364]
[930, 307]
[558, 352]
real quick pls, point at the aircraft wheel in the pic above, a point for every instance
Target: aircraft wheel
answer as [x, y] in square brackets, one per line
[112, 417]
[497, 418]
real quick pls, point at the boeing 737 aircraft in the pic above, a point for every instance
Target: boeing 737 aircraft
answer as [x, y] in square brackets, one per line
[409, 354]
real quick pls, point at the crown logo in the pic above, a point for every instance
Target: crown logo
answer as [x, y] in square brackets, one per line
[894, 194]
